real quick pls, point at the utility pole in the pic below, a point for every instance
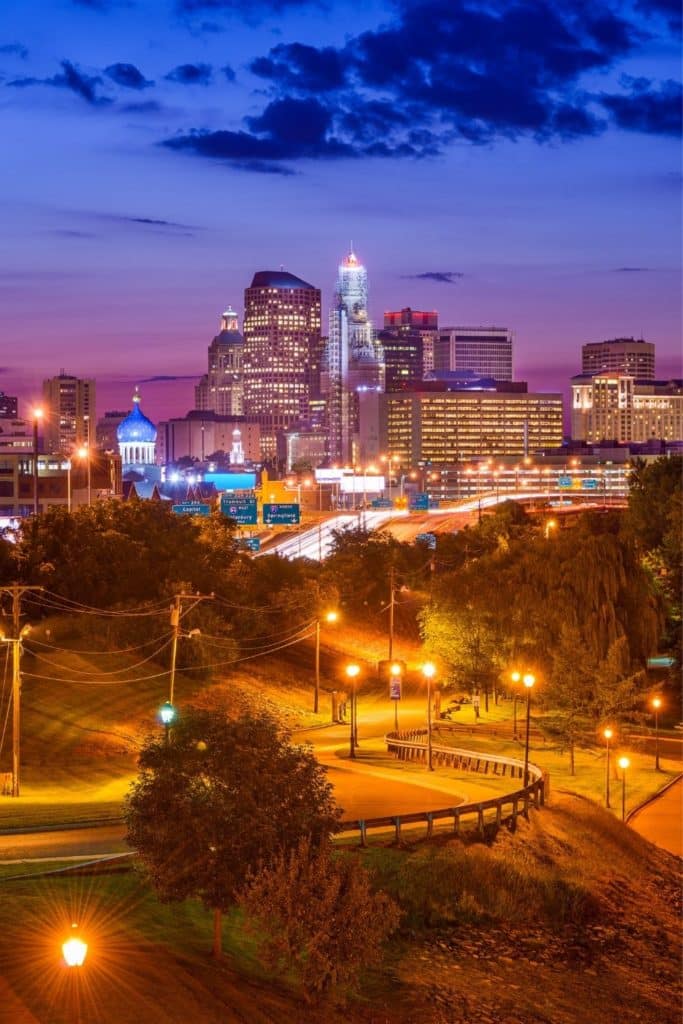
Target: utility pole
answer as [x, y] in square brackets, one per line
[176, 615]
[392, 596]
[16, 591]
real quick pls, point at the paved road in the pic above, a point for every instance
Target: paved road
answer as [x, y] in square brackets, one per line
[662, 820]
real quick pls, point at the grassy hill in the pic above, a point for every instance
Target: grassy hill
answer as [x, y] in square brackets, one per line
[572, 919]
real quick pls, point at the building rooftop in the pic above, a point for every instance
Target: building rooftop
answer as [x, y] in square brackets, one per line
[278, 279]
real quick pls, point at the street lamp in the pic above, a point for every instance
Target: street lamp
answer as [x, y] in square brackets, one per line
[328, 617]
[551, 524]
[516, 678]
[84, 453]
[352, 674]
[623, 764]
[167, 715]
[528, 679]
[37, 417]
[429, 671]
[656, 704]
[74, 949]
[608, 734]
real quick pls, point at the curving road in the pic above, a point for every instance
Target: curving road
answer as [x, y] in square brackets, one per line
[661, 820]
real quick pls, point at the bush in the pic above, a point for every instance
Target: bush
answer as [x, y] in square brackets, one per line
[315, 915]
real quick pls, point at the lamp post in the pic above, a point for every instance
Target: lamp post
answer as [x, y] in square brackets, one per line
[656, 704]
[623, 764]
[528, 679]
[429, 671]
[352, 674]
[516, 677]
[83, 453]
[608, 734]
[550, 525]
[37, 417]
[329, 617]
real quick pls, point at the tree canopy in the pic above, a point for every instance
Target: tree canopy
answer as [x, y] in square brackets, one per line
[223, 797]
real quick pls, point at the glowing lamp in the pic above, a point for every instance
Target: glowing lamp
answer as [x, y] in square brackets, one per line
[656, 703]
[624, 763]
[74, 950]
[428, 670]
[395, 669]
[331, 617]
[352, 671]
[167, 713]
[607, 733]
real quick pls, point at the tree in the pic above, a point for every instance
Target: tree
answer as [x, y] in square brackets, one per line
[224, 796]
[317, 913]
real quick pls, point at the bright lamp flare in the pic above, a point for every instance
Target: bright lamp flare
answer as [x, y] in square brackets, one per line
[624, 763]
[529, 680]
[74, 951]
[429, 670]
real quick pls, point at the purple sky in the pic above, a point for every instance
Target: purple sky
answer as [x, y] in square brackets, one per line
[531, 147]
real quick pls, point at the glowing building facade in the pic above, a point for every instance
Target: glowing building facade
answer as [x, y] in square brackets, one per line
[281, 354]
[220, 390]
[354, 358]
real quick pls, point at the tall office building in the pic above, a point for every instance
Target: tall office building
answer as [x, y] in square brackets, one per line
[442, 426]
[70, 412]
[620, 355]
[403, 359]
[618, 407]
[281, 354]
[413, 322]
[354, 358]
[486, 351]
[220, 389]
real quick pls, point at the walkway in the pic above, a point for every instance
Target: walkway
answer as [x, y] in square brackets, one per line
[661, 821]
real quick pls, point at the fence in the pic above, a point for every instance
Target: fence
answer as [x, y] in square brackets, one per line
[498, 811]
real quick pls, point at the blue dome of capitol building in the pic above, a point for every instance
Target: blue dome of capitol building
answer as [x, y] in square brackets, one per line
[136, 427]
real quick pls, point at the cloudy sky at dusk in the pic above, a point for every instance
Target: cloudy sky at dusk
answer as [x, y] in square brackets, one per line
[514, 162]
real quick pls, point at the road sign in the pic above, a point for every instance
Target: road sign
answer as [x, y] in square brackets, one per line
[395, 688]
[427, 538]
[282, 513]
[381, 503]
[564, 481]
[242, 510]
[419, 502]
[590, 484]
[252, 543]
[192, 508]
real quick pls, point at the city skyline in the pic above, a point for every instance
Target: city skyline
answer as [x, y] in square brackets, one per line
[164, 152]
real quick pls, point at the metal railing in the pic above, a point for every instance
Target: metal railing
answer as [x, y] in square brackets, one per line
[497, 811]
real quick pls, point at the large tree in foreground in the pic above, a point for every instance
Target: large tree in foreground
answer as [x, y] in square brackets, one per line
[221, 799]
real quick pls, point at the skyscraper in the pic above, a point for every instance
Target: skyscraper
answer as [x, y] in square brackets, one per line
[486, 351]
[280, 361]
[70, 413]
[620, 355]
[354, 359]
[412, 322]
[220, 390]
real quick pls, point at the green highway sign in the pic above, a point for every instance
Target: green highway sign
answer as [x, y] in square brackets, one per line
[242, 510]
[287, 514]
[192, 508]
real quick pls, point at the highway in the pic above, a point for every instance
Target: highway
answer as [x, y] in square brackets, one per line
[316, 541]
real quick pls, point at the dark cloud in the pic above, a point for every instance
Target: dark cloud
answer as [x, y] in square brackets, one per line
[439, 276]
[72, 79]
[631, 270]
[191, 74]
[228, 72]
[144, 107]
[163, 377]
[440, 71]
[128, 76]
[154, 222]
[670, 10]
[303, 68]
[646, 109]
[14, 49]
[71, 233]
